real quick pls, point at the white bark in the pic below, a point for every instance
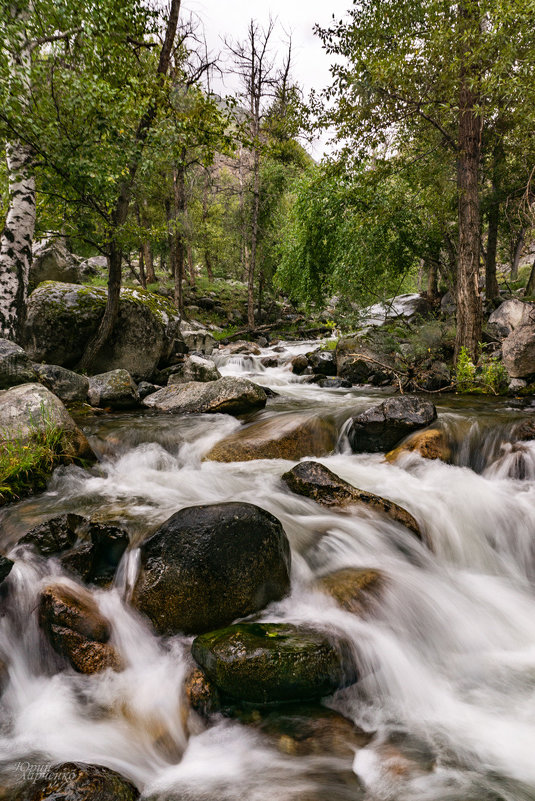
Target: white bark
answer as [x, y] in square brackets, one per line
[17, 236]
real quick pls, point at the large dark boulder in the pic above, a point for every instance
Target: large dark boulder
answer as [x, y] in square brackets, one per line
[322, 362]
[289, 436]
[208, 565]
[62, 317]
[380, 428]
[5, 567]
[15, 365]
[68, 386]
[226, 395]
[75, 781]
[265, 663]
[317, 482]
[54, 535]
[510, 315]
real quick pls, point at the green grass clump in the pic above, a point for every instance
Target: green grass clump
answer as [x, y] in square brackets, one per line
[26, 464]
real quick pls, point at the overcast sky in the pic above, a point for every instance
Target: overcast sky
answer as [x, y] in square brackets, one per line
[230, 19]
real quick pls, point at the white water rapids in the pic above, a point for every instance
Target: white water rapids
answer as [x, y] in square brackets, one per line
[448, 655]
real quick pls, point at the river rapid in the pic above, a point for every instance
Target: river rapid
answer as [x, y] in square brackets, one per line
[448, 657]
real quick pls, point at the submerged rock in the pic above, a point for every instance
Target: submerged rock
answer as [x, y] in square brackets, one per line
[115, 389]
[76, 781]
[201, 694]
[226, 395]
[54, 535]
[208, 565]
[381, 427]
[15, 365]
[518, 352]
[317, 482]
[68, 386]
[76, 629]
[265, 663]
[289, 436]
[354, 589]
[429, 444]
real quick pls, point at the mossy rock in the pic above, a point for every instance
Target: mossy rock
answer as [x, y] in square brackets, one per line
[429, 444]
[75, 781]
[267, 663]
[290, 436]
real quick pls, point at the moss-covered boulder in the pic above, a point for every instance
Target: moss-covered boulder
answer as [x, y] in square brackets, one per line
[289, 436]
[227, 396]
[114, 389]
[266, 663]
[62, 317]
[76, 629]
[355, 589]
[208, 565]
[429, 444]
[75, 781]
[315, 481]
[15, 365]
[381, 427]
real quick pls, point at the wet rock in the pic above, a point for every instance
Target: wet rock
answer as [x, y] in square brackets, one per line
[29, 408]
[54, 535]
[145, 388]
[315, 481]
[383, 426]
[197, 338]
[76, 629]
[429, 444]
[322, 362]
[79, 561]
[68, 386]
[96, 561]
[5, 567]
[227, 395]
[201, 694]
[62, 317]
[196, 368]
[354, 589]
[289, 436]
[518, 352]
[208, 565]
[508, 316]
[15, 365]
[265, 663]
[269, 361]
[334, 383]
[75, 781]
[358, 362]
[242, 347]
[114, 389]
[299, 364]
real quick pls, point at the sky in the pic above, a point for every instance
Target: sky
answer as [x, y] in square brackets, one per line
[230, 19]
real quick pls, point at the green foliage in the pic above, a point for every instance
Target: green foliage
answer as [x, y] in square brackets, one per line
[488, 377]
[465, 371]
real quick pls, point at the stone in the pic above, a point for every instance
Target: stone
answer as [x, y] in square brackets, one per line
[62, 317]
[69, 387]
[266, 663]
[5, 567]
[208, 565]
[15, 365]
[510, 315]
[96, 560]
[76, 629]
[52, 261]
[201, 694]
[518, 352]
[381, 427]
[76, 781]
[405, 306]
[195, 369]
[290, 436]
[226, 395]
[435, 377]
[356, 590]
[54, 535]
[114, 389]
[241, 346]
[30, 408]
[334, 383]
[429, 444]
[299, 364]
[358, 362]
[317, 482]
[145, 388]
[197, 338]
[269, 361]
[322, 362]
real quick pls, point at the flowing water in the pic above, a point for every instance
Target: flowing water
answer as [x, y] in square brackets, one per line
[448, 656]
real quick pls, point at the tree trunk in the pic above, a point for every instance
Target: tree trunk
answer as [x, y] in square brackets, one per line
[491, 282]
[517, 254]
[530, 286]
[179, 194]
[469, 311]
[147, 250]
[254, 238]
[17, 237]
[141, 267]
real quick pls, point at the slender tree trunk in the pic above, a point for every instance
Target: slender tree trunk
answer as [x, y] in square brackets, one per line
[17, 237]
[191, 265]
[530, 286]
[254, 238]
[141, 267]
[491, 282]
[147, 250]
[179, 193]
[517, 254]
[120, 212]
[469, 311]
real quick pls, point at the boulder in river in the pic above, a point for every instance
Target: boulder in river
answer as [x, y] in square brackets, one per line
[62, 317]
[195, 368]
[322, 362]
[299, 364]
[381, 427]
[355, 589]
[266, 663]
[208, 565]
[358, 362]
[15, 365]
[226, 395]
[317, 482]
[114, 389]
[68, 386]
[518, 352]
[96, 560]
[429, 444]
[54, 535]
[75, 781]
[289, 436]
[76, 629]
